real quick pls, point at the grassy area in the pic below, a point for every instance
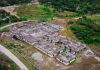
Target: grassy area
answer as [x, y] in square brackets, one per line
[19, 51]
[5, 30]
[24, 60]
[68, 33]
[96, 18]
[7, 64]
[74, 62]
[65, 14]
[35, 12]
[41, 12]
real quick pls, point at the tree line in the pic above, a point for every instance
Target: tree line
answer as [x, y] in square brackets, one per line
[79, 6]
[87, 30]
[6, 18]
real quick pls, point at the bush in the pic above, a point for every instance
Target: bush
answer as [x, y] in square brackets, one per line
[7, 64]
[70, 22]
[79, 6]
[36, 12]
[9, 45]
[86, 30]
[6, 18]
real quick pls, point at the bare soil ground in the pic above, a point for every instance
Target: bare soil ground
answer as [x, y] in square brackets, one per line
[90, 63]
[87, 64]
[10, 9]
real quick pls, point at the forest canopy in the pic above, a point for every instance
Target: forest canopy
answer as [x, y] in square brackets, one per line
[79, 6]
[87, 30]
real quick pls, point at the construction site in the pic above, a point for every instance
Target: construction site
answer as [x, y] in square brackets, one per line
[46, 37]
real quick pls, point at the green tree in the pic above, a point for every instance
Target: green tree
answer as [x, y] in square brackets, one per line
[86, 30]
[79, 6]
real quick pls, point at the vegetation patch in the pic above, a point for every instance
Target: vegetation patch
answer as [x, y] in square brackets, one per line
[6, 18]
[87, 31]
[35, 12]
[4, 30]
[95, 18]
[7, 64]
[19, 50]
[79, 6]
[74, 62]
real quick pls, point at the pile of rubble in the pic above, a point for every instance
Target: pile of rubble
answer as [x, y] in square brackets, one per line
[45, 37]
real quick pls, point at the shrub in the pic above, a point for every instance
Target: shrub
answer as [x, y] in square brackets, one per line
[6, 18]
[70, 22]
[87, 31]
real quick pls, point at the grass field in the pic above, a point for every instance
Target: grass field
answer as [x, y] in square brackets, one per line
[68, 33]
[34, 12]
[19, 51]
[40, 12]
[96, 18]
[7, 64]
